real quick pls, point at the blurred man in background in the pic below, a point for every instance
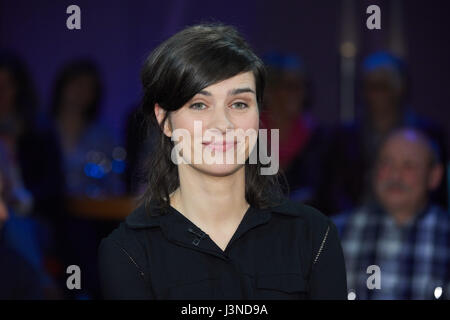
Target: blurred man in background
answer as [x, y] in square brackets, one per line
[384, 89]
[400, 230]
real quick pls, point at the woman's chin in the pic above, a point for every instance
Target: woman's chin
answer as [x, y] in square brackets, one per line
[218, 170]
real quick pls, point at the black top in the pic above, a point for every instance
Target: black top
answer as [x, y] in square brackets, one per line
[290, 251]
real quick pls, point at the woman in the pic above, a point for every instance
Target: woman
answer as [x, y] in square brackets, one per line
[212, 230]
[88, 145]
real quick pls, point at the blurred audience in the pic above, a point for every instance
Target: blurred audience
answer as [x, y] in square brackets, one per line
[350, 159]
[400, 230]
[287, 102]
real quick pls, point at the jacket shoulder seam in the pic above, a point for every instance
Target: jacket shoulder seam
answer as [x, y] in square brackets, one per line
[321, 245]
[129, 256]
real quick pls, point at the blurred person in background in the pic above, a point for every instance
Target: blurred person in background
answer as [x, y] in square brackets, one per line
[287, 103]
[18, 279]
[401, 230]
[31, 167]
[93, 163]
[27, 235]
[350, 159]
[29, 142]
[93, 158]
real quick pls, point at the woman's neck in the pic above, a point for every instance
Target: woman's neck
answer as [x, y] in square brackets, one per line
[211, 202]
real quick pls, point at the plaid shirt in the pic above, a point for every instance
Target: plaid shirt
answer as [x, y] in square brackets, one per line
[414, 259]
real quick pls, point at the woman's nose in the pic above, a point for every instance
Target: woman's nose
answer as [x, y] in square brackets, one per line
[221, 120]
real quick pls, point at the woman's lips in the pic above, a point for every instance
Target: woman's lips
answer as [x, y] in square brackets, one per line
[224, 146]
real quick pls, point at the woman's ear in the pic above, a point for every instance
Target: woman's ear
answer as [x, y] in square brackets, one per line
[160, 113]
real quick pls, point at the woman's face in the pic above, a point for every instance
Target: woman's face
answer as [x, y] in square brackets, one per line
[222, 123]
[79, 93]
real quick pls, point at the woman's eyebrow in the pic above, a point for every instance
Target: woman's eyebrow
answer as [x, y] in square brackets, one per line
[205, 93]
[236, 91]
[231, 92]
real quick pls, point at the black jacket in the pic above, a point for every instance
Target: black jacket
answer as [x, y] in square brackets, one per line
[290, 251]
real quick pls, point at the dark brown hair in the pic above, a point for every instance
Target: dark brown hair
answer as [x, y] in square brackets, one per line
[70, 72]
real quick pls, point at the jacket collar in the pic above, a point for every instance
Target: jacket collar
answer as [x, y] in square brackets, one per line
[179, 229]
[288, 207]
[140, 218]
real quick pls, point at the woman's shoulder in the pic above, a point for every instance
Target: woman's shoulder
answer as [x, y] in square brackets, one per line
[123, 264]
[120, 235]
[317, 225]
[300, 211]
[317, 232]
[124, 247]
[131, 233]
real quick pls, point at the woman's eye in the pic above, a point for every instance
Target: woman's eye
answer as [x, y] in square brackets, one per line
[240, 105]
[198, 106]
